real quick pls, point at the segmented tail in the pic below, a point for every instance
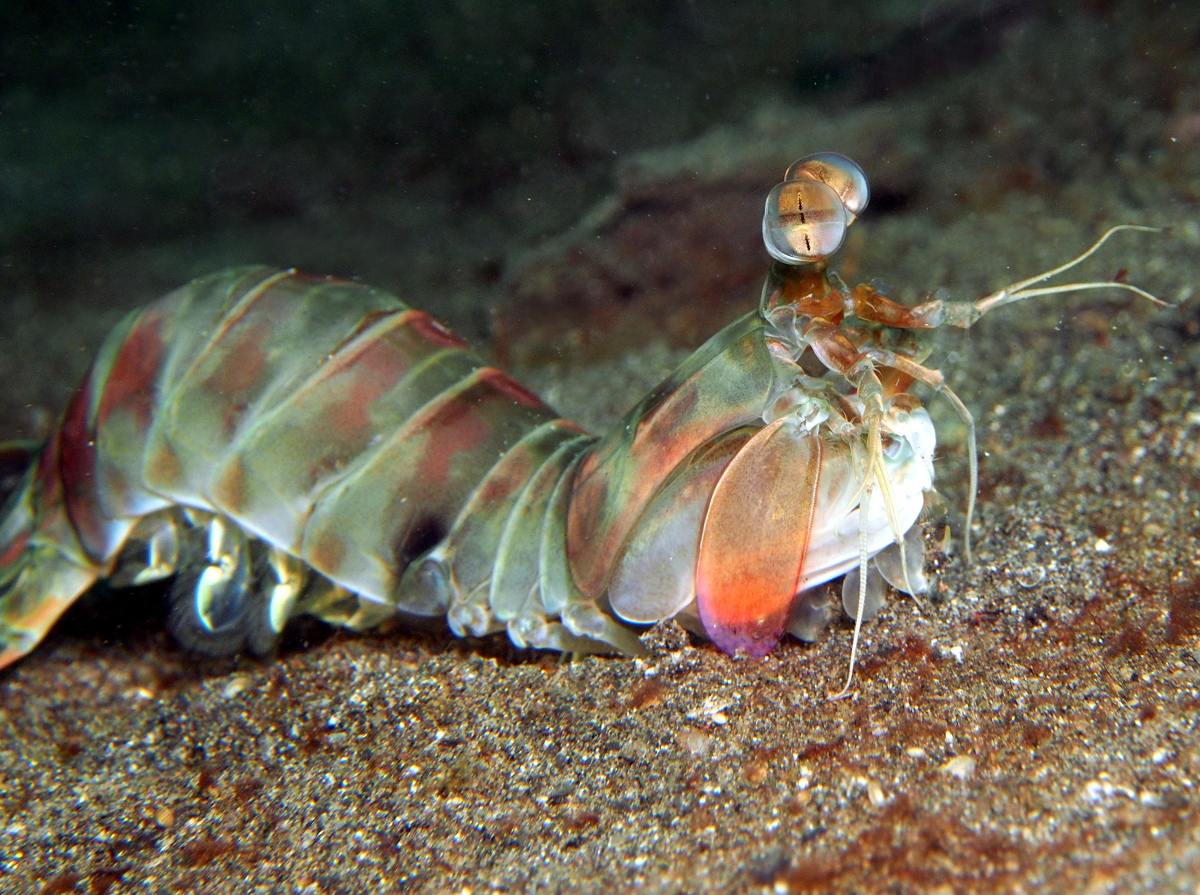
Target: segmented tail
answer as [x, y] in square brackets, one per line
[32, 568]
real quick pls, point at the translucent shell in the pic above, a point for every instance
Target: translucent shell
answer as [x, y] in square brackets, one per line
[805, 220]
[837, 172]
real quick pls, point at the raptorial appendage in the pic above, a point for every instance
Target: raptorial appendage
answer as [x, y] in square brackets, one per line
[860, 337]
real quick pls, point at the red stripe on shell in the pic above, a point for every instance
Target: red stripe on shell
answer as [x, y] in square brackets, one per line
[510, 388]
[370, 369]
[14, 550]
[130, 385]
[77, 472]
[434, 332]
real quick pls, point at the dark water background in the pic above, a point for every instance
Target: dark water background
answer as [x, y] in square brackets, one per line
[475, 129]
[136, 121]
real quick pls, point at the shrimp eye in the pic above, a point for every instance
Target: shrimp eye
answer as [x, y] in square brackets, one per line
[805, 220]
[839, 173]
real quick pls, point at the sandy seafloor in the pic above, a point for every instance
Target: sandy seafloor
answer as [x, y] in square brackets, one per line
[1030, 727]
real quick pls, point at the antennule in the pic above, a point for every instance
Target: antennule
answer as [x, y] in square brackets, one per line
[1020, 290]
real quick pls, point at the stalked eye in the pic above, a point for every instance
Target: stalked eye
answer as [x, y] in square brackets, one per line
[840, 174]
[804, 220]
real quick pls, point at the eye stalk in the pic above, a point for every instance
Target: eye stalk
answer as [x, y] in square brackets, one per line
[806, 215]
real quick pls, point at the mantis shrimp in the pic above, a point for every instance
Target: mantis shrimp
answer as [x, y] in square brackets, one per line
[283, 444]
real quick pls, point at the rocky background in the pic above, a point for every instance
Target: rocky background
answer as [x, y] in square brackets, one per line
[577, 186]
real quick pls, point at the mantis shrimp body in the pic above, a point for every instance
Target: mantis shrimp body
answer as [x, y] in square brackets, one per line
[283, 444]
